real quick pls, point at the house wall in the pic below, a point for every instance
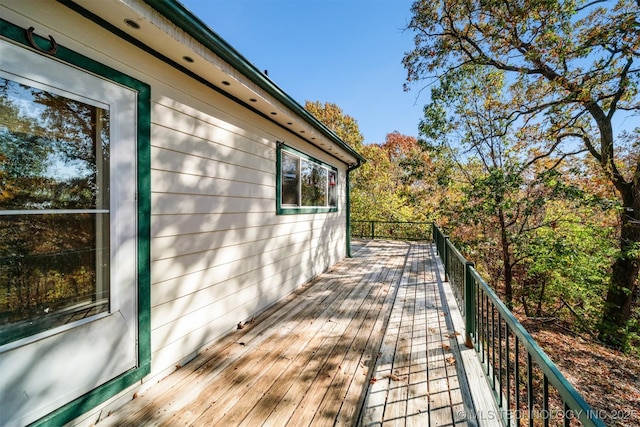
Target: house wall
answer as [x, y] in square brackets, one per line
[219, 252]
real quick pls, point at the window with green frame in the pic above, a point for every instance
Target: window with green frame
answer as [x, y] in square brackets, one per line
[305, 184]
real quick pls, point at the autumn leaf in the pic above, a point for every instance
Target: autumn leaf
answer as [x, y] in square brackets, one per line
[394, 377]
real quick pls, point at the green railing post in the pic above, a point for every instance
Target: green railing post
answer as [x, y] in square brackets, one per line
[445, 257]
[373, 230]
[469, 304]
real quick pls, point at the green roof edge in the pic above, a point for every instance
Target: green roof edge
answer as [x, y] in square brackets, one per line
[184, 19]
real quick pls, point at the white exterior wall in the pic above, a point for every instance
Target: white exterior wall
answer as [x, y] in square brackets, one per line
[219, 252]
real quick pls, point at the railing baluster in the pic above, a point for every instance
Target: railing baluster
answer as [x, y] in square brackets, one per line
[517, 378]
[508, 374]
[478, 316]
[545, 400]
[500, 379]
[530, 397]
[492, 347]
[484, 327]
[469, 304]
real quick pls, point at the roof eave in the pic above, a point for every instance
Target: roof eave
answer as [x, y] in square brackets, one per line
[173, 11]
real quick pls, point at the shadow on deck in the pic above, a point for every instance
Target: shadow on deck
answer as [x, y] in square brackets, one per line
[375, 340]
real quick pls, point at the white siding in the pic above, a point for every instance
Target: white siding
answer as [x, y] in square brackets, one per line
[220, 254]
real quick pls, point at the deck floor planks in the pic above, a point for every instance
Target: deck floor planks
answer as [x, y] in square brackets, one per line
[285, 408]
[364, 352]
[418, 399]
[185, 385]
[370, 337]
[331, 377]
[240, 364]
[211, 412]
[440, 350]
[422, 350]
[396, 407]
[239, 412]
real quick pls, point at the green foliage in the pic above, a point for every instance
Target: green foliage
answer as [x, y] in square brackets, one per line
[543, 80]
[401, 181]
[566, 265]
[375, 194]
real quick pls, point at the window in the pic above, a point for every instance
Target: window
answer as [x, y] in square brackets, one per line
[54, 209]
[67, 198]
[305, 185]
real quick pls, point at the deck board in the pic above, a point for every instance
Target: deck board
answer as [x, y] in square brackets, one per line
[369, 342]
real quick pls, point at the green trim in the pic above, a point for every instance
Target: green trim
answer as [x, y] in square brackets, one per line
[144, 228]
[302, 209]
[348, 208]
[193, 26]
[102, 393]
[305, 210]
[300, 154]
[348, 214]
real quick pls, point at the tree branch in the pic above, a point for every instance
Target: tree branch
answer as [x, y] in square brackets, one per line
[621, 88]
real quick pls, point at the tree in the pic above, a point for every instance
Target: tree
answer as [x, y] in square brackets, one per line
[375, 194]
[572, 72]
[413, 172]
[505, 174]
[397, 183]
[566, 263]
[345, 126]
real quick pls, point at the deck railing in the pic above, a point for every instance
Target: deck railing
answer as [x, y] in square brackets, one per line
[395, 230]
[527, 386]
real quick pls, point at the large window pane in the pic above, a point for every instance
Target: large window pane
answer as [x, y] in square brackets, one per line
[333, 188]
[53, 271]
[314, 184]
[307, 185]
[290, 179]
[54, 210]
[53, 150]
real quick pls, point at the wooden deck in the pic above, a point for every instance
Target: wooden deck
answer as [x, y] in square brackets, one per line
[370, 342]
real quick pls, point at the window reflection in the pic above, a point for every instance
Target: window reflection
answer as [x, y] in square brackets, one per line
[290, 177]
[314, 184]
[333, 188]
[53, 151]
[306, 183]
[54, 157]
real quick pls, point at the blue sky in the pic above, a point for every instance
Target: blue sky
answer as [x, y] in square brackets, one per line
[347, 52]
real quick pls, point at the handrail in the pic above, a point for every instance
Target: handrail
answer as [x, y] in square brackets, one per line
[396, 230]
[497, 336]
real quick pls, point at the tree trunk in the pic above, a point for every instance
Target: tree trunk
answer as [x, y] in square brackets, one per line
[506, 261]
[624, 274]
[541, 298]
